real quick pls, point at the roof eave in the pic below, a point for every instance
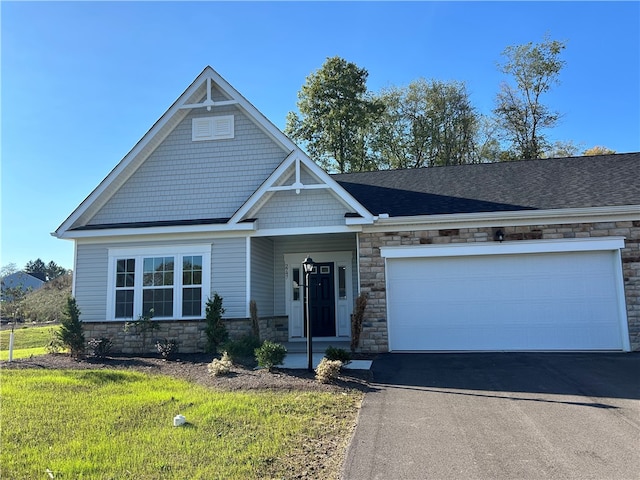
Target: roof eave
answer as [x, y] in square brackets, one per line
[514, 218]
[165, 230]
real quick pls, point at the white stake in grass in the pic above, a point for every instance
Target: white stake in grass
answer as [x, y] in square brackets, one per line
[11, 345]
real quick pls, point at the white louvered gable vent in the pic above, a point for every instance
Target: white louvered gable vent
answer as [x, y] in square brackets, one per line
[212, 128]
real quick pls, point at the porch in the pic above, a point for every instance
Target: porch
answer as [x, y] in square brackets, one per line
[297, 355]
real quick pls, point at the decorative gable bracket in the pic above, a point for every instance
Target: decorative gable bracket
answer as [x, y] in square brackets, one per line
[208, 102]
[299, 160]
[298, 185]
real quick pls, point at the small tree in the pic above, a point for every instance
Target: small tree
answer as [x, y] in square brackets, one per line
[141, 327]
[71, 333]
[216, 330]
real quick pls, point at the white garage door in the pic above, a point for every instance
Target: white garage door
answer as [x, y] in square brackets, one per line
[537, 301]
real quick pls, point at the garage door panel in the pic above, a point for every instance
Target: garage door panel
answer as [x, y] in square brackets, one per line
[559, 301]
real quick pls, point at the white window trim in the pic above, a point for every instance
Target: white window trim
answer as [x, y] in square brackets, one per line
[178, 252]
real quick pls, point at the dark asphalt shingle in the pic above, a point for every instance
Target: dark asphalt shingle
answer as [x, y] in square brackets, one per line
[573, 182]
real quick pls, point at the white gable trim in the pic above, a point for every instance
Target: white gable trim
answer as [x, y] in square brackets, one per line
[159, 131]
[299, 160]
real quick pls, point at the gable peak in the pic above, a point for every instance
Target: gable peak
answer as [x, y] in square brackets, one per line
[204, 85]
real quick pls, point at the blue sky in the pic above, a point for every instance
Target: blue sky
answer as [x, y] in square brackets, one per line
[82, 82]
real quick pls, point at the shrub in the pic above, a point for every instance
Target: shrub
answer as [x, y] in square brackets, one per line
[54, 345]
[142, 326]
[333, 353]
[71, 334]
[167, 348]
[99, 347]
[270, 354]
[243, 348]
[215, 330]
[328, 370]
[222, 366]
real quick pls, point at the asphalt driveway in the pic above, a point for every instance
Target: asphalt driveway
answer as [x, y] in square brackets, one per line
[499, 416]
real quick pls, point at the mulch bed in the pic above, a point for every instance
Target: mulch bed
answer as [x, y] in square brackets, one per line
[193, 368]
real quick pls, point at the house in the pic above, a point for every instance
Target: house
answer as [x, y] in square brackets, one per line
[19, 280]
[529, 255]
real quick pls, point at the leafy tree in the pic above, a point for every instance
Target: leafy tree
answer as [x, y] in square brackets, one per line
[425, 124]
[598, 150]
[45, 272]
[487, 145]
[71, 333]
[8, 269]
[37, 268]
[11, 301]
[54, 271]
[561, 149]
[519, 109]
[336, 113]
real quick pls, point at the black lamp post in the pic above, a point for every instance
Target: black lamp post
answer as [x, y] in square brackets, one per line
[308, 266]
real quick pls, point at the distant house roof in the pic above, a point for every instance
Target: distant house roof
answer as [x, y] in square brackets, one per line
[22, 280]
[573, 182]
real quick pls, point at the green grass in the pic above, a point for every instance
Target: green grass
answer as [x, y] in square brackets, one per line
[27, 341]
[104, 424]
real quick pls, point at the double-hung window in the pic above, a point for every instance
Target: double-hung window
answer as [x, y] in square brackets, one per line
[169, 283]
[124, 289]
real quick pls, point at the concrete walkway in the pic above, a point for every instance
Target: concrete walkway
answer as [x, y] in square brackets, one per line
[297, 355]
[301, 361]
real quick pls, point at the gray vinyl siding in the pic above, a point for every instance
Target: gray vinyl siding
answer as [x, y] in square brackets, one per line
[187, 180]
[228, 271]
[262, 275]
[313, 208]
[229, 275]
[309, 243]
[90, 277]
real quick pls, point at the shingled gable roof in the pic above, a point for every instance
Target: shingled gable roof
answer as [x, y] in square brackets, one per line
[195, 96]
[560, 183]
[299, 161]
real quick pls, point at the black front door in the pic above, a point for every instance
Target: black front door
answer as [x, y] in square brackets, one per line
[322, 308]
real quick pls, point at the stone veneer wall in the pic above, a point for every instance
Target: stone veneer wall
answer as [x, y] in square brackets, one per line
[275, 329]
[190, 334]
[374, 336]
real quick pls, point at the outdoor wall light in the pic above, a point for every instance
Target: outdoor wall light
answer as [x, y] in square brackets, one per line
[308, 266]
[499, 235]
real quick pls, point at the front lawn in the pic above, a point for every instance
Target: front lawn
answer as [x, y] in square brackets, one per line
[104, 424]
[27, 341]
